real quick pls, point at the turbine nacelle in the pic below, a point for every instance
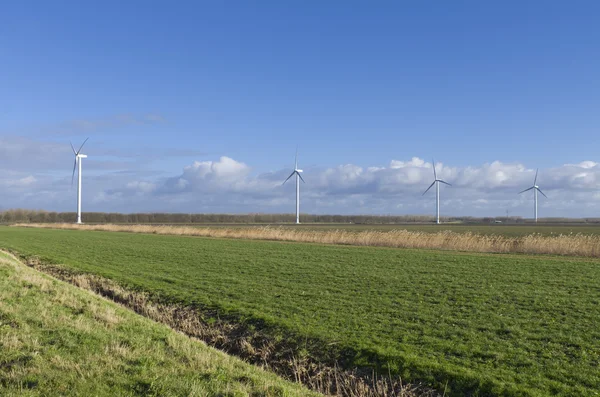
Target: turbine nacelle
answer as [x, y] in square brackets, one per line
[435, 179]
[82, 156]
[535, 186]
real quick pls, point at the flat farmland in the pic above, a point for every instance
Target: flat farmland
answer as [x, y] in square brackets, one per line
[465, 322]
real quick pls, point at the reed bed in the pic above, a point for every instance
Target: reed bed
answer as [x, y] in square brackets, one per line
[562, 244]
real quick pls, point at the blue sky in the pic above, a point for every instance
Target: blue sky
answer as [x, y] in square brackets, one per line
[161, 86]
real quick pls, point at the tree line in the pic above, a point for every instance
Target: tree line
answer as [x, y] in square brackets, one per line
[40, 216]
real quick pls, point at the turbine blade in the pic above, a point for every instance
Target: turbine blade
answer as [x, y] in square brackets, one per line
[439, 180]
[73, 176]
[433, 183]
[296, 159]
[434, 173]
[74, 152]
[536, 173]
[302, 179]
[80, 147]
[526, 190]
[540, 190]
[291, 175]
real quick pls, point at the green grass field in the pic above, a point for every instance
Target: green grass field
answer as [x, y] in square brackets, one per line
[480, 323]
[57, 340]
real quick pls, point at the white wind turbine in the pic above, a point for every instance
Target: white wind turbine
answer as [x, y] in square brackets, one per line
[536, 189]
[436, 182]
[78, 158]
[298, 177]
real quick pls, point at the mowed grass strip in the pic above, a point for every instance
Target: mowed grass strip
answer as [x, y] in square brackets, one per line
[479, 323]
[58, 340]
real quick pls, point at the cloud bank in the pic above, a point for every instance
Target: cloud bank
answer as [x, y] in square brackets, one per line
[227, 185]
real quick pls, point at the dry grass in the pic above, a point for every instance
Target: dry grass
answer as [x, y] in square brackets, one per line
[563, 244]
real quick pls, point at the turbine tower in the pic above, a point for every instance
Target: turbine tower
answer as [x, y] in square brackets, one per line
[298, 177]
[77, 164]
[436, 182]
[536, 189]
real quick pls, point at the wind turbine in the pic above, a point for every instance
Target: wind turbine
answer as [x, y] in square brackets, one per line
[436, 182]
[298, 177]
[78, 158]
[536, 189]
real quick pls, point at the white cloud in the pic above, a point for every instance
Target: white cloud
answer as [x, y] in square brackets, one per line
[414, 162]
[348, 188]
[585, 164]
[141, 186]
[229, 185]
[20, 182]
[224, 175]
[226, 169]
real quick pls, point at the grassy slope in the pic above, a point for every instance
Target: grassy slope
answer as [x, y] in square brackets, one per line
[494, 323]
[57, 340]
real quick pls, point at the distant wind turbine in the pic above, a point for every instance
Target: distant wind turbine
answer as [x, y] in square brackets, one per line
[535, 189]
[78, 158]
[298, 177]
[436, 182]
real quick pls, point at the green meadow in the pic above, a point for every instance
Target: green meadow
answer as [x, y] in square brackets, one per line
[479, 324]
